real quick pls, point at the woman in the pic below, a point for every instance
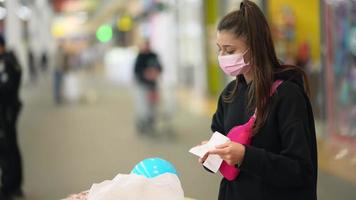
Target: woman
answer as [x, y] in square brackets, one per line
[280, 160]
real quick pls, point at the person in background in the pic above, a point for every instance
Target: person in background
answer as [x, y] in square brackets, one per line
[32, 66]
[10, 107]
[61, 67]
[44, 62]
[147, 70]
[265, 112]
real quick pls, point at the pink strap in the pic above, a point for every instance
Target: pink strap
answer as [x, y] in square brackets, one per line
[275, 85]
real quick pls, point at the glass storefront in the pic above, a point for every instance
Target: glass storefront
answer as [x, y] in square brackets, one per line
[340, 72]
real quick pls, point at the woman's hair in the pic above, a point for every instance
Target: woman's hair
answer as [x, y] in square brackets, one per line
[250, 24]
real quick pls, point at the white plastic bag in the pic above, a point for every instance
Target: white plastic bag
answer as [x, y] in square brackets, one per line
[135, 187]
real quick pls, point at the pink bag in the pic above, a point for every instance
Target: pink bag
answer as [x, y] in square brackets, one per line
[242, 134]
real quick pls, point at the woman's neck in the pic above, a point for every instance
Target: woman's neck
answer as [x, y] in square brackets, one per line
[248, 76]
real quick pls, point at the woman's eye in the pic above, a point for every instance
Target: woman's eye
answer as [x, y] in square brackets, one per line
[230, 52]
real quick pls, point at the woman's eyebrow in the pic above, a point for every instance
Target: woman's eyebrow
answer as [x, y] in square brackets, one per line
[225, 45]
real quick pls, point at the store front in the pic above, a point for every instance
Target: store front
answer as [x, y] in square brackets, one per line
[340, 69]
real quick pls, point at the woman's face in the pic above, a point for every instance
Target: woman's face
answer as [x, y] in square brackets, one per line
[228, 44]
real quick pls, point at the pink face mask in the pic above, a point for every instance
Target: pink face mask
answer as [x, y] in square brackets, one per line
[234, 64]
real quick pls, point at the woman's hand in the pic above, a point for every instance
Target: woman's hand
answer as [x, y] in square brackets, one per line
[80, 196]
[231, 152]
[202, 160]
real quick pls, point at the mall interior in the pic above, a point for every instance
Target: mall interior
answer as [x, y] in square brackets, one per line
[77, 125]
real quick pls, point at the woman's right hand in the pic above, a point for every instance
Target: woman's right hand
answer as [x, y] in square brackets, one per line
[202, 160]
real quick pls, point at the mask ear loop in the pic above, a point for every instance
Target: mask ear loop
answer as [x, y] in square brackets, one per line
[245, 51]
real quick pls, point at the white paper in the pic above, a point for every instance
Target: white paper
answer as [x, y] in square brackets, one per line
[213, 162]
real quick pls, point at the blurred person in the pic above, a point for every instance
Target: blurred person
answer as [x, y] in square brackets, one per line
[32, 66]
[44, 62]
[303, 58]
[61, 67]
[147, 70]
[10, 107]
[269, 103]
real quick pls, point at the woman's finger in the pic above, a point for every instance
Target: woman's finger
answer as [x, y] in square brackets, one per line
[201, 160]
[221, 146]
[219, 152]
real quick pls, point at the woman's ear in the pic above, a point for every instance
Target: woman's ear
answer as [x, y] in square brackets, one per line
[247, 56]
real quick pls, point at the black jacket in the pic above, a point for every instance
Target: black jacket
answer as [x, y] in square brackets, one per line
[281, 162]
[10, 79]
[144, 61]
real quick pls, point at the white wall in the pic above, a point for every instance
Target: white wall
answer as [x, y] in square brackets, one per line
[39, 26]
[13, 30]
[191, 43]
[163, 34]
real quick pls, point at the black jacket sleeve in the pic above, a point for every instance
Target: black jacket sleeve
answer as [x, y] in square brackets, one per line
[292, 166]
[218, 118]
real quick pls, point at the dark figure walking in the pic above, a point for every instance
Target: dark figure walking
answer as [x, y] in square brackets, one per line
[10, 107]
[32, 66]
[44, 62]
[147, 71]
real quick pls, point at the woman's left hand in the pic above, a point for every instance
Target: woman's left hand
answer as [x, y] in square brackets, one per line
[231, 152]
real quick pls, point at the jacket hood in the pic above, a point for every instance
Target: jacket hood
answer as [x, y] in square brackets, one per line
[290, 75]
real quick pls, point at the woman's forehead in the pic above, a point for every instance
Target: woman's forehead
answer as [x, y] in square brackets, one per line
[227, 38]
